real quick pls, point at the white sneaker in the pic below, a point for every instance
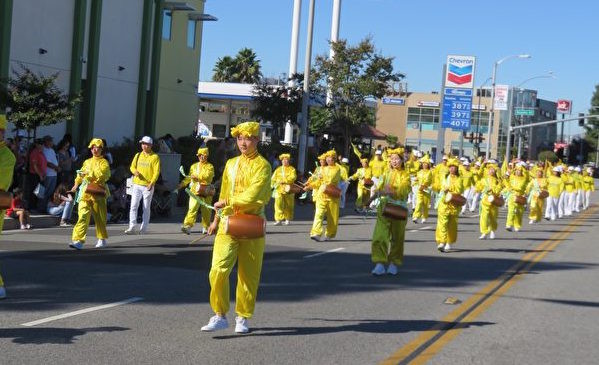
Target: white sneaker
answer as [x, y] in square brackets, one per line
[392, 269]
[76, 245]
[101, 243]
[216, 323]
[315, 238]
[326, 238]
[379, 269]
[2, 292]
[531, 222]
[204, 230]
[423, 220]
[516, 229]
[492, 235]
[285, 222]
[277, 223]
[447, 247]
[483, 236]
[129, 230]
[508, 229]
[440, 246]
[185, 229]
[241, 325]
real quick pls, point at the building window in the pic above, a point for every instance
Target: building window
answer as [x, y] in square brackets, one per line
[191, 34]
[167, 22]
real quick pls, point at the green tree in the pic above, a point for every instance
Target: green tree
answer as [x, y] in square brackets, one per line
[243, 68]
[355, 76]
[278, 103]
[35, 100]
[592, 125]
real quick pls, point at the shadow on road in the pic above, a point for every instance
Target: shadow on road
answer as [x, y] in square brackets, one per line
[49, 335]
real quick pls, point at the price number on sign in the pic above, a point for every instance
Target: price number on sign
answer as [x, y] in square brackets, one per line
[459, 123]
[459, 114]
[460, 106]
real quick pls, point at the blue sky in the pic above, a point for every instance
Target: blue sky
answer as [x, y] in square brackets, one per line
[560, 36]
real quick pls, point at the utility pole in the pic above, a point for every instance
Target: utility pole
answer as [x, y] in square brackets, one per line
[303, 138]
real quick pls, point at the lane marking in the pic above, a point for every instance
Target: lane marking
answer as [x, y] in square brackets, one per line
[324, 252]
[420, 229]
[429, 343]
[81, 311]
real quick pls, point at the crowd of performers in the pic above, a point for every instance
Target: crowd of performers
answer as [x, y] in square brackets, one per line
[396, 184]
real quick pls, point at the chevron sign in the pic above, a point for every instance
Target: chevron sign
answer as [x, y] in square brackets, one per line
[460, 71]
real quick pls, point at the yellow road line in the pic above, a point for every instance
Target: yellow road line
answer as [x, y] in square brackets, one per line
[430, 342]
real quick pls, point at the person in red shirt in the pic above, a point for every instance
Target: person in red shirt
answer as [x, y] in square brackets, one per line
[16, 209]
[37, 173]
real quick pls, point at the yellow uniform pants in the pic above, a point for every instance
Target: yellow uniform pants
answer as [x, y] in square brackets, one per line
[284, 204]
[363, 196]
[447, 225]
[423, 201]
[536, 209]
[2, 215]
[514, 214]
[330, 210]
[488, 218]
[248, 255]
[388, 240]
[87, 208]
[192, 212]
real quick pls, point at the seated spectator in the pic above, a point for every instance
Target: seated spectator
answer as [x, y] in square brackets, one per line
[16, 209]
[61, 205]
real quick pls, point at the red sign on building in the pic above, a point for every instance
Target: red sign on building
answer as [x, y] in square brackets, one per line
[564, 106]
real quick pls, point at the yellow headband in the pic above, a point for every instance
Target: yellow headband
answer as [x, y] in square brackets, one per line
[283, 156]
[322, 157]
[396, 151]
[2, 121]
[331, 153]
[425, 159]
[247, 129]
[363, 160]
[453, 162]
[202, 151]
[96, 142]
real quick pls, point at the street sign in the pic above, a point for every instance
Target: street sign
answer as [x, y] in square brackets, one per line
[525, 112]
[501, 96]
[457, 108]
[394, 101]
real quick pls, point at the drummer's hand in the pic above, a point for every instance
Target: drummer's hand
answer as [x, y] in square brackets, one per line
[220, 204]
[213, 227]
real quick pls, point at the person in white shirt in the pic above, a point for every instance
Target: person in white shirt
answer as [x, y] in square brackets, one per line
[51, 172]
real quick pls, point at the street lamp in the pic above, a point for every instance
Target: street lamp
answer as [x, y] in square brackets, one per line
[597, 146]
[509, 125]
[491, 115]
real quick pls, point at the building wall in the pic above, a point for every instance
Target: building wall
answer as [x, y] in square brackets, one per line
[177, 110]
[116, 95]
[48, 25]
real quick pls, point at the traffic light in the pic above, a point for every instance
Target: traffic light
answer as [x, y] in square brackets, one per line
[580, 120]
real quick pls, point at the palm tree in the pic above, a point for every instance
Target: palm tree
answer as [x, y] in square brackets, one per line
[248, 67]
[224, 69]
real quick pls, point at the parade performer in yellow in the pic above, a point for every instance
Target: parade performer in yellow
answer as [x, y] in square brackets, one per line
[364, 177]
[245, 189]
[555, 187]
[588, 185]
[490, 187]
[327, 201]
[145, 168]
[378, 166]
[389, 234]
[477, 175]
[316, 177]
[91, 181]
[468, 180]
[424, 181]
[200, 177]
[283, 177]
[446, 233]
[7, 165]
[535, 202]
[516, 188]
[578, 190]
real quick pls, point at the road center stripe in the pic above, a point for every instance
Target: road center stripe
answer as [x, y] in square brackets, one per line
[429, 343]
[81, 311]
[324, 252]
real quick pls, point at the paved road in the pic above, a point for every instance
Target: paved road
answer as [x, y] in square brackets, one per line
[529, 297]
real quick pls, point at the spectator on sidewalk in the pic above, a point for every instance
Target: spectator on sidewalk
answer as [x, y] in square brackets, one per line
[17, 211]
[65, 162]
[72, 151]
[52, 170]
[61, 205]
[37, 173]
[107, 154]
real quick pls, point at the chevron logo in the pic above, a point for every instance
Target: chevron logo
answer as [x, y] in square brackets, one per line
[460, 75]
